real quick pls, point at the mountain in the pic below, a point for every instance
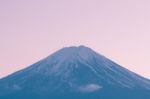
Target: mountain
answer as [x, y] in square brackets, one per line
[75, 73]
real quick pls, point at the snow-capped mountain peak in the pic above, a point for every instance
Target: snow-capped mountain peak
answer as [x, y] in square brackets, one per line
[74, 71]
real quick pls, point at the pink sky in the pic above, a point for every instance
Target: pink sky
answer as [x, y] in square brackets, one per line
[32, 29]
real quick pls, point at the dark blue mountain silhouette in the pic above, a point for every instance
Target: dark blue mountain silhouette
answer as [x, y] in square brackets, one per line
[74, 73]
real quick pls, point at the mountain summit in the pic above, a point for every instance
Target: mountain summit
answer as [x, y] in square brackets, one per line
[74, 73]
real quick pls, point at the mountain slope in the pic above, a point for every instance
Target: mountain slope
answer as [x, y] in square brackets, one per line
[75, 72]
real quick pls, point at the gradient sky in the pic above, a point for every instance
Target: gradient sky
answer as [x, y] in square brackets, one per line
[32, 29]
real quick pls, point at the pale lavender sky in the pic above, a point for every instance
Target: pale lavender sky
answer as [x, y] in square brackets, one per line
[32, 29]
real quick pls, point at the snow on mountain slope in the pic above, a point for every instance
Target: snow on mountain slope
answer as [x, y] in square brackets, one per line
[73, 70]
